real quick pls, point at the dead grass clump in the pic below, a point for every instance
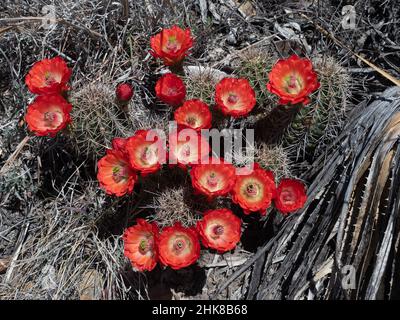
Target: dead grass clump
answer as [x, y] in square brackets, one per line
[59, 255]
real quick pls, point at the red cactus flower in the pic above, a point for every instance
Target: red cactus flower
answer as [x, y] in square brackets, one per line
[178, 247]
[140, 245]
[220, 229]
[119, 144]
[213, 179]
[146, 151]
[115, 175]
[171, 45]
[235, 97]
[293, 80]
[124, 92]
[48, 114]
[193, 114]
[187, 147]
[254, 191]
[170, 89]
[48, 76]
[290, 196]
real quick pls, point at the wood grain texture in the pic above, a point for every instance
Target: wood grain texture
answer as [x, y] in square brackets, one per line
[350, 219]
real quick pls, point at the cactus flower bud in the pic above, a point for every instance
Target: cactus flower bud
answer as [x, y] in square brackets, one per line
[124, 92]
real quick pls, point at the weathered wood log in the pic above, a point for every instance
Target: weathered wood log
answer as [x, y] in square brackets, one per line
[344, 244]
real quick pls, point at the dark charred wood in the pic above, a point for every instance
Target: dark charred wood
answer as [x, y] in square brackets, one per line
[350, 224]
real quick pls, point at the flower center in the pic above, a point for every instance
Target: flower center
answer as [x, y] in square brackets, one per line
[217, 230]
[145, 246]
[233, 98]
[172, 91]
[293, 84]
[212, 180]
[186, 150]
[49, 78]
[179, 246]
[191, 120]
[252, 190]
[148, 155]
[288, 197]
[50, 118]
[118, 173]
[172, 44]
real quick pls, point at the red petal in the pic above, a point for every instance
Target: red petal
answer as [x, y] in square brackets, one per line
[220, 229]
[254, 192]
[305, 80]
[42, 71]
[48, 115]
[144, 155]
[142, 259]
[235, 97]
[193, 114]
[187, 147]
[290, 195]
[213, 179]
[175, 53]
[178, 247]
[116, 183]
[170, 89]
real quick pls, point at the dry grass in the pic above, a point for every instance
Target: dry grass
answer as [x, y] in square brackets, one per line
[59, 245]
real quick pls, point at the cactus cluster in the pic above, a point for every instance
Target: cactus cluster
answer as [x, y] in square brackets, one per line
[274, 158]
[200, 83]
[255, 64]
[252, 64]
[97, 118]
[303, 131]
[269, 157]
[175, 204]
[318, 123]
[142, 117]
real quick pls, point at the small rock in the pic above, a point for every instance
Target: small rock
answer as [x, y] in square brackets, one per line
[4, 264]
[246, 9]
[232, 37]
[49, 280]
[252, 37]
